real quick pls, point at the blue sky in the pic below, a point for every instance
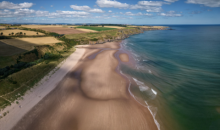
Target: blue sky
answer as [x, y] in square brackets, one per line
[111, 11]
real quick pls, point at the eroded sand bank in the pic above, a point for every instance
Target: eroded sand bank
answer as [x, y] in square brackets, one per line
[92, 96]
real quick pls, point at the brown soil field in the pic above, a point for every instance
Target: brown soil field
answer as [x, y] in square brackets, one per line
[9, 47]
[28, 33]
[2, 27]
[62, 30]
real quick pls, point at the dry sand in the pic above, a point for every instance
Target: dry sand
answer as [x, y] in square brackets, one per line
[38, 92]
[92, 96]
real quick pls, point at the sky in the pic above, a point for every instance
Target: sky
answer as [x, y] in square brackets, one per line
[111, 11]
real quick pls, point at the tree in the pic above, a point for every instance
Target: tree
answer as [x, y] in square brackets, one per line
[12, 33]
[37, 33]
[1, 33]
[102, 25]
[9, 34]
[21, 33]
[24, 33]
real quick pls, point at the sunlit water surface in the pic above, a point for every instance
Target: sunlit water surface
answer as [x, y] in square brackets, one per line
[178, 75]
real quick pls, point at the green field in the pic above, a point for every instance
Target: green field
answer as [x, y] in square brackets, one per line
[94, 35]
[96, 28]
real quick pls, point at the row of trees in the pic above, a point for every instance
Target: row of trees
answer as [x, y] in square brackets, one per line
[18, 33]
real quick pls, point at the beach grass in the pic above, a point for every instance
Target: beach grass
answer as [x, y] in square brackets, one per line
[16, 85]
[7, 61]
[96, 28]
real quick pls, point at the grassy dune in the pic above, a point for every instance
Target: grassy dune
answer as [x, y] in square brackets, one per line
[14, 86]
[96, 28]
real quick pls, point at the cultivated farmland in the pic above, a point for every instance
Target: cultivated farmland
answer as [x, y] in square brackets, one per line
[86, 30]
[62, 30]
[9, 47]
[1, 27]
[14, 31]
[96, 28]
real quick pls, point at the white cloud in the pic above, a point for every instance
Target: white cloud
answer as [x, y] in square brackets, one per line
[150, 3]
[72, 12]
[51, 6]
[96, 11]
[170, 0]
[129, 13]
[209, 3]
[110, 3]
[19, 13]
[10, 5]
[154, 9]
[149, 6]
[109, 11]
[75, 7]
[102, 17]
[138, 14]
[170, 14]
[86, 8]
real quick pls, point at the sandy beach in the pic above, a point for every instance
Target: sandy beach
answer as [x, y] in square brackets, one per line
[46, 85]
[93, 95]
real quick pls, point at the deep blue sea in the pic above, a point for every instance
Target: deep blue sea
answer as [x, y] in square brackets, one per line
[178, 75]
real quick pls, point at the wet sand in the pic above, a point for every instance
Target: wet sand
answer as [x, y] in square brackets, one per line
[92, 96]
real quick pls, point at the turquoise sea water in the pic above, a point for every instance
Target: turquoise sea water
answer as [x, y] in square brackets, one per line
[178, 75]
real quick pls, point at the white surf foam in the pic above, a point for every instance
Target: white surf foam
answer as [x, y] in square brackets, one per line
[155, 92]
[141, 85]
[148, 107]
[153, 114]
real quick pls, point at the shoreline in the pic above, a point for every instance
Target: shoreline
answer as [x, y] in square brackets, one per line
[37, 93]
[74, 102]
